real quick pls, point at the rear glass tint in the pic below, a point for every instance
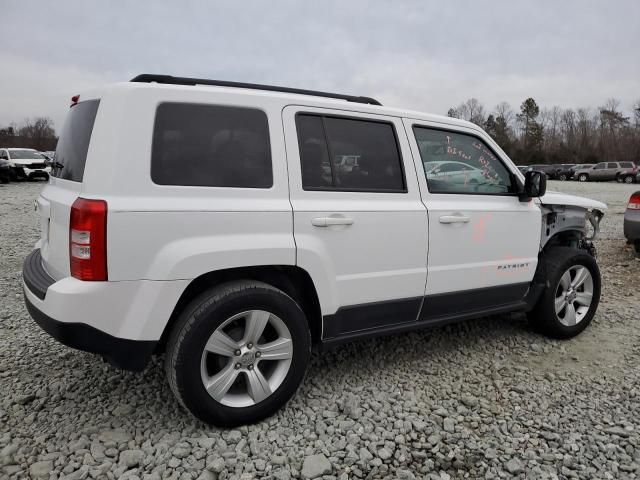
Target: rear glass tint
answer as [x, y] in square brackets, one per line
[73, 144]
[211, 146]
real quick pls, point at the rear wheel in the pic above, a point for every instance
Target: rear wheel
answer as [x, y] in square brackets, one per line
[629, 179]
[562, 177]
[571, 298]
[238, 353]
[583, 177]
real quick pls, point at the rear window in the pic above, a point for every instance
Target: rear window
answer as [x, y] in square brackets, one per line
[73, 144]
[211, 146]
[349, 154]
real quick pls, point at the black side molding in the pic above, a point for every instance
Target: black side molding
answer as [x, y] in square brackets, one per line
[169, 80]
[35, 276]
[358, 322]
[355, 318]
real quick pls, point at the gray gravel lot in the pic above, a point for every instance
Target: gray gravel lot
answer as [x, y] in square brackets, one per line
[488, 398]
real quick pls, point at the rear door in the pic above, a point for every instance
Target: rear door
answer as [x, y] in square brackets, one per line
[359, 224]
[483, 241]
[599, 171]
[65, 184]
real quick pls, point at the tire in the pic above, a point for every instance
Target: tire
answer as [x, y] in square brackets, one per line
[619, 178]
[187, 364]
[636, 245]
[628, 179]
[562, 177]
[583, 177]
[544, 317]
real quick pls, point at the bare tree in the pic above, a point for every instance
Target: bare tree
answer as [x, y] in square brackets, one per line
[39, 131]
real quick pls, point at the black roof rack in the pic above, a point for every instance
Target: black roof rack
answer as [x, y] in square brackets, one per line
[168, 79]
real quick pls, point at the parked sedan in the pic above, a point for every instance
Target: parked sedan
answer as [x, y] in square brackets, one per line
[548, 170]
[632, 221]
[454, 172]
[564, 171]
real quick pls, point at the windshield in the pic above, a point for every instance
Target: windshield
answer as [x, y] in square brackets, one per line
[71, 152]
[25, 155]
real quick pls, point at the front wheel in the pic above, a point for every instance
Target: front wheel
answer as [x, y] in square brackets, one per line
[238, 353]
[583, 177]
[571, 298]
[562, 177]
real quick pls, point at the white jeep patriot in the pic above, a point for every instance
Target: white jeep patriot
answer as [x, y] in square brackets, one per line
[233, 226]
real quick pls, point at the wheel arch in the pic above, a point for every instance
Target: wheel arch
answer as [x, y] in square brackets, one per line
[292, 280]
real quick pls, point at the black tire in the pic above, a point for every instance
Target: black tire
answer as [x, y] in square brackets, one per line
[201, 318]
[636, 245]
[556, 262]
[583, 177]
[619, 178]
[629, 179]
[562, 177]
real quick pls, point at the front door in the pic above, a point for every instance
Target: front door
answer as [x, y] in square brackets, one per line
[483, 241]
[360, 227]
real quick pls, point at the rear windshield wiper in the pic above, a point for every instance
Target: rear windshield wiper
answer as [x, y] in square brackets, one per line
[54, 164]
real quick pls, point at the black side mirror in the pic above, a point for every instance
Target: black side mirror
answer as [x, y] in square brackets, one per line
[535, 185]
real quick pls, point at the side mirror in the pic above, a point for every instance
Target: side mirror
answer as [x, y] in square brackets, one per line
[535, 185]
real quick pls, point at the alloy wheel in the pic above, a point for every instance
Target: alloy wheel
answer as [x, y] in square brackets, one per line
[246, 358]
[574, 295]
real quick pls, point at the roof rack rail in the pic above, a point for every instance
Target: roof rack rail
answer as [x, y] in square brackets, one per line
[168, 79]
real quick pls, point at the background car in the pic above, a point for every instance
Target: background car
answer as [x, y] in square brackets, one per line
[632, 221]
[627, 172]
[607, 171]
[454, 172]
[548, 170]
[564, 171]
[5, 171]
[25, 163]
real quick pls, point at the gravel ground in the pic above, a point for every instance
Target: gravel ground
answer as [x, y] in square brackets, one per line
[488, 398]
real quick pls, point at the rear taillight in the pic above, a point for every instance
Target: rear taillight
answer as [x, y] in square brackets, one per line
[88, 239]
[634, 202]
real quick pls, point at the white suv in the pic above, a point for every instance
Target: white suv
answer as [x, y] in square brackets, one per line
[218, 222]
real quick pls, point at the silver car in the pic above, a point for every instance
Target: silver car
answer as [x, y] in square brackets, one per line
[606, 171]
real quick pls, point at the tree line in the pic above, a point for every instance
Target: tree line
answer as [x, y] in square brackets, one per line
[38, 133]
[558, 135]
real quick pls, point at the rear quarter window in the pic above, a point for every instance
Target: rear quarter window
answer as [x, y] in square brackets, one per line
[73, 144]
[211, 146]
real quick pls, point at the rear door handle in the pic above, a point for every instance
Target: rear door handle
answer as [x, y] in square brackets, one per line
[454, 219]
[329, 221]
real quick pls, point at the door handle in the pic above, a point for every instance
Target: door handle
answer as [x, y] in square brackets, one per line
[454, 219]
[329, 221]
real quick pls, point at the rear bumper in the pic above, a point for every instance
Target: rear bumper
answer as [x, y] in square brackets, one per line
[122, 321]
[119, 352]
[632, 225]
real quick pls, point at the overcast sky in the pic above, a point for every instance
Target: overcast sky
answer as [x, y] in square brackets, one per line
[424, 55]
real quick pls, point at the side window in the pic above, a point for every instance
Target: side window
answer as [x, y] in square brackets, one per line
[3, 155]
[600, 166]
[458, 163]
[626, 164]
[612, 165]
[211, 146]
[349, 154]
